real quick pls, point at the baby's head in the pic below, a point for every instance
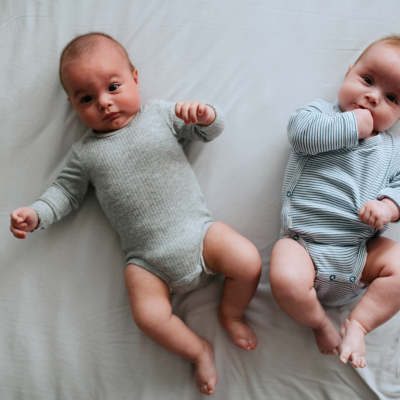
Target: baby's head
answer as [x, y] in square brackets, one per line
[373, 82]
[100, 81]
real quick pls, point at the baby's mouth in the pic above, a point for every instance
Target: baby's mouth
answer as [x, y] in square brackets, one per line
[358, 107]
[111, 115]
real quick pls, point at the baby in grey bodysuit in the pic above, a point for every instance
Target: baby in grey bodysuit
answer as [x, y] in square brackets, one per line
[145, 185]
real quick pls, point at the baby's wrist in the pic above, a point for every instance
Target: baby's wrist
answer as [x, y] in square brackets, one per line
[393, 208]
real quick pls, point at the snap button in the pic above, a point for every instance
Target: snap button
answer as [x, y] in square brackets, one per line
[296, 237]
[332, 277]
[352, 279]
[288, 194]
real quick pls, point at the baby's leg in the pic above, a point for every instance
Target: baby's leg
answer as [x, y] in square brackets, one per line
[234, 256]
[380, 302]
[149, 297]
[292, 277]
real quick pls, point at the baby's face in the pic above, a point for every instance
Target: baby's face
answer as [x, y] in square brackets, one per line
[374, 83]
[103, 89]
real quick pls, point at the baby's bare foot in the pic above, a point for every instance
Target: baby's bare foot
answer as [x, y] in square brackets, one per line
[241, 333]
[353, 345]
[204, 371]
[328, 340]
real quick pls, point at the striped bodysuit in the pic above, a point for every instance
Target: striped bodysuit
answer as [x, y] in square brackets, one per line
[329, 176]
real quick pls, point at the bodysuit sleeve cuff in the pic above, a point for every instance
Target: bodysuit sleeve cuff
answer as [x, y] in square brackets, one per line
[351, 129]
[44, 212]
[213, 130]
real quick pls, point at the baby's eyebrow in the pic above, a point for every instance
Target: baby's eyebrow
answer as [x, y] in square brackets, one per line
[77, 93]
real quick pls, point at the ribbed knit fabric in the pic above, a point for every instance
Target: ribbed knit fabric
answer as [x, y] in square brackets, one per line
[330, 175]
[145, 186]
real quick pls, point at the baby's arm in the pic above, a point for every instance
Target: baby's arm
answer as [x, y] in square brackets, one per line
[24, 219]
[314, 129]
[181, 119]
[64, 196]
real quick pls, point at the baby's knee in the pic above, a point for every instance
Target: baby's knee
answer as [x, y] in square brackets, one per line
[253, 262]
[149, 316]
[288, 286]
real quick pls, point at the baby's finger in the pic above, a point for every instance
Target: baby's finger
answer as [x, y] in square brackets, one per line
[20, 225]
[178, 109]
[202, 108]
[371, 221]
[17, 233]
[193, 112]
[361, 212]
[17, 215]
[379, 223]
[366, 216]
[185, 113]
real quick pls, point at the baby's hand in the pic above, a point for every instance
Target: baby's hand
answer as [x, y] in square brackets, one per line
[365, 122]
[195, 112]
[375, 213]
[23, 220]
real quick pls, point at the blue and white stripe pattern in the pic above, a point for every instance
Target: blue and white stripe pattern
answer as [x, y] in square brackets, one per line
[329, 176]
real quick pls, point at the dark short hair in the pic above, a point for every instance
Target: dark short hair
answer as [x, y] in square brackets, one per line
[86, 43]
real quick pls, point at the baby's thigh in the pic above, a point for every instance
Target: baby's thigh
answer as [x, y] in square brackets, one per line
[228, 252]
[291, 266]
[383, 257]
[148, 293]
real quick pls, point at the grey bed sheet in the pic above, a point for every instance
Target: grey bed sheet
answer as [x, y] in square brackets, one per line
[65, 325]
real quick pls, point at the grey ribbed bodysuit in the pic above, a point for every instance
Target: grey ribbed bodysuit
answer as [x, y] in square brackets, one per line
[147, 189]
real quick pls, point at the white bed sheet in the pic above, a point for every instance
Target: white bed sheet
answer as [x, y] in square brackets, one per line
[65, 325]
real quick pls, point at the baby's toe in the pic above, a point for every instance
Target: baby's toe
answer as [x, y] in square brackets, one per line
[253, 342]
[355, 360]
[344, 355]
[363, 363]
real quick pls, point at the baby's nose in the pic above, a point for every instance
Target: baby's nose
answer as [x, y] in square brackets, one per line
[104, 101]
[373, 97]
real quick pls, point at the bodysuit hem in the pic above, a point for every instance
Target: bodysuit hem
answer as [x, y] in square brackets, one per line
[200, 277]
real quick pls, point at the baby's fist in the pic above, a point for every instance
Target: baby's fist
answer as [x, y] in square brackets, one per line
[365, 122]
[23, 220]
[375, 213]
[194, 112]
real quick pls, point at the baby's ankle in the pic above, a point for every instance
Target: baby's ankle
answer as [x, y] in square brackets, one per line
[228, 320]
[355, 324]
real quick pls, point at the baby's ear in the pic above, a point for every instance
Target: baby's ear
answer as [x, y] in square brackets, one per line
[135, 75]
[350, 68]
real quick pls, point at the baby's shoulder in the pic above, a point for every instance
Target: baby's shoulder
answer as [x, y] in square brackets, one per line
[162, 108]
[320, 106]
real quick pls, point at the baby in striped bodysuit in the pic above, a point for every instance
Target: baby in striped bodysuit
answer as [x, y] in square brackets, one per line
[340, 191]
[145, 185]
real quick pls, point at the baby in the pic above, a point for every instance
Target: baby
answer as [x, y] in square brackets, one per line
[145, 185]
[341, 189]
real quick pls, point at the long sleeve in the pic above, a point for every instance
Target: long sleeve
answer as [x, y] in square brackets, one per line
[192, 131]
[317, 129]
[392, 190]
[65, 194]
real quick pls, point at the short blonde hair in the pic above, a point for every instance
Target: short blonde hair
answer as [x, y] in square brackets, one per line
[84, 44]
[391, 40]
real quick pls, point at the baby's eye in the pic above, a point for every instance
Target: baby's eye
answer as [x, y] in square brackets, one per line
[113, 87]
[86, 99]
[391, 98]
[368, 80]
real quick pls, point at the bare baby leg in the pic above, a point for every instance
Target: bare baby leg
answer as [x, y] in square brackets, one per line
[235, 257]
[149, 298]
[380, 302]
[292, 277]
